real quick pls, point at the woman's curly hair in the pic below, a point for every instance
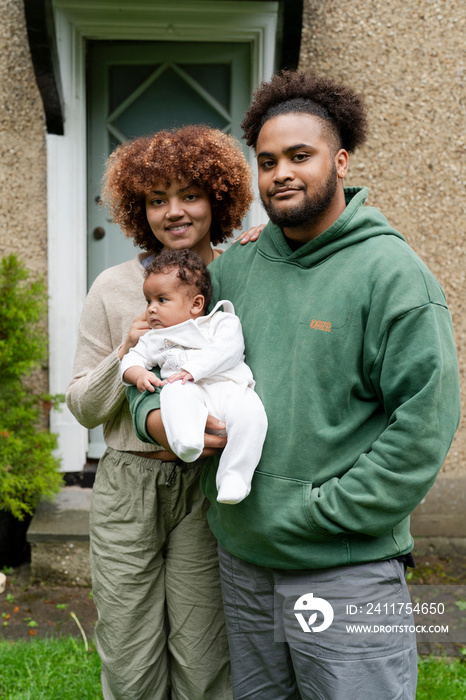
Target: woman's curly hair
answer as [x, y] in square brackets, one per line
[308, 93]
[193, 154]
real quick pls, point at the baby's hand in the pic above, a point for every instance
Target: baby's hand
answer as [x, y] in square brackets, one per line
[183, 375]
[147, 381]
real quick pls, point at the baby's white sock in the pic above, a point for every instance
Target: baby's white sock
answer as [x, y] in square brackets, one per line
[232, 489]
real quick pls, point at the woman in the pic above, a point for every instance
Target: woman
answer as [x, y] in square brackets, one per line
[153, 557]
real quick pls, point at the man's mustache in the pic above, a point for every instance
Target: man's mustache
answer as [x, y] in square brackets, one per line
[270, 193]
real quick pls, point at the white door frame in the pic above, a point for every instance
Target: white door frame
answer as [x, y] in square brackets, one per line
[76, 21]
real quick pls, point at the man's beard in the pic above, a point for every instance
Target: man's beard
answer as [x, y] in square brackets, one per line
[308, 210]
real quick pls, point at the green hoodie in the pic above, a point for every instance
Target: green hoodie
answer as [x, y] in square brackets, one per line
[351, 345]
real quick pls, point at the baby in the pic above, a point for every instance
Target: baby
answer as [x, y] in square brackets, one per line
[201, 360]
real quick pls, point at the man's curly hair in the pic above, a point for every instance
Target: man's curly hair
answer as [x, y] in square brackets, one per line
[295, 91]
[193, 154]
[190, 268]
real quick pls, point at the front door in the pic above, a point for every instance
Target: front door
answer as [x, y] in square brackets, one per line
[137, 88]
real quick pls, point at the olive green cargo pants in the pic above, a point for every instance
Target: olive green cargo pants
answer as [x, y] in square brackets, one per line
[156, 584]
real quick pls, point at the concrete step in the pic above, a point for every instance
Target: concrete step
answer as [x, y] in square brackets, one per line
[59, 538]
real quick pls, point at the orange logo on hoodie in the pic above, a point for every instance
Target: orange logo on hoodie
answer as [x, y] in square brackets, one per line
[321, 325]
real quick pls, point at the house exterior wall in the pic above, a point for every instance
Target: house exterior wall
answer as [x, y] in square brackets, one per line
[409, 60]
[23, 161]
[23, 204]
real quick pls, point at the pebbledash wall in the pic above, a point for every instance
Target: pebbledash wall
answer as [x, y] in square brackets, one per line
[23, 157]
[409, 60]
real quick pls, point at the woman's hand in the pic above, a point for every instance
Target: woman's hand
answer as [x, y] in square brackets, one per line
[251, 235]
[213, 444]
[139, 328]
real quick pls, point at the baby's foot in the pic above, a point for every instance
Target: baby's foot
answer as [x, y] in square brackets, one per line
[232, 489]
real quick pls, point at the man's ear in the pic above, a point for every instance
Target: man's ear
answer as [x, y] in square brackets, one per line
[342, 163]
[197, 307]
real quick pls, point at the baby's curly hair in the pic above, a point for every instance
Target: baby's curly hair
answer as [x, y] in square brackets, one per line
[191, 270]
[295, 91]
[193, 154]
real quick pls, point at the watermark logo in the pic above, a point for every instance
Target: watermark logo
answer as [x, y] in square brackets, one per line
[308, 603]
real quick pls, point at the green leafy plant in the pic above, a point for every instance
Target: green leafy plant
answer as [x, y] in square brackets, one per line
[28, 467]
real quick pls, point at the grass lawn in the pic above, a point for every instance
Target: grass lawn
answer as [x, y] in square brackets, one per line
[441, 679]
[49, 669]
[61, 669]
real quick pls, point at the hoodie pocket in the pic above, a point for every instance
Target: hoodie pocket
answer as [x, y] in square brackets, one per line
[275, 514]
[283, 505]
[279, 530]
[279, 506]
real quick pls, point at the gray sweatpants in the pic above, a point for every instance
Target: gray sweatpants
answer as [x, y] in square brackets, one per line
[322, 634]
[156, 583]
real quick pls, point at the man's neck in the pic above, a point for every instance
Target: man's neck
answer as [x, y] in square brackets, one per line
[294, 245]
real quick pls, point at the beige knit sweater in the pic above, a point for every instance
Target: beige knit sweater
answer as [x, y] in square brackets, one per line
[96, 393]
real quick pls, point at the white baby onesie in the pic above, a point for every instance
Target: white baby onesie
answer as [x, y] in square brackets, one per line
[211, 349]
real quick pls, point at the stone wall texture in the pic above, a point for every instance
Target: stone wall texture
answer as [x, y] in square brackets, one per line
[23, 157]
[23, 175]
[409, 60]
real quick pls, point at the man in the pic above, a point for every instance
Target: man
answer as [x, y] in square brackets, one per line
[351, 344]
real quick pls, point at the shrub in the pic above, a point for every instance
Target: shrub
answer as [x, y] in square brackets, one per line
[28, 467]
